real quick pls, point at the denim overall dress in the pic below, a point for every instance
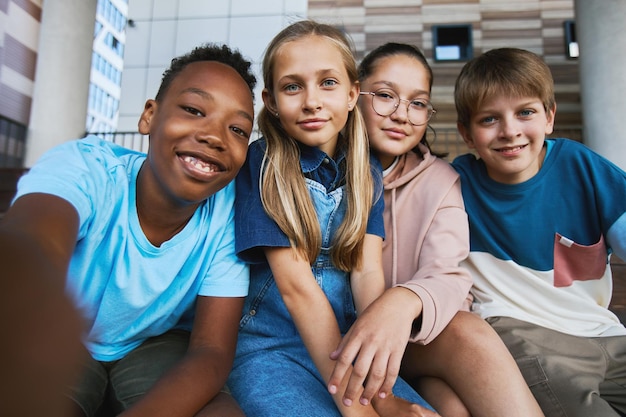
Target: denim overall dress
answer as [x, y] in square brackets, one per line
[273, 374]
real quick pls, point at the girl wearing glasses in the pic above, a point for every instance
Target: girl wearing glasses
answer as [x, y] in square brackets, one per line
[453, 358]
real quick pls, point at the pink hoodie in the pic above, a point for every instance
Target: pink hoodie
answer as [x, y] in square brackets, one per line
[427, 236]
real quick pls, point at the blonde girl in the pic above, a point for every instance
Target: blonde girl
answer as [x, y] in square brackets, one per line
[309, 220]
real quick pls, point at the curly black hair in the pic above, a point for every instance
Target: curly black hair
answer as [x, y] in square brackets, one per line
[209, 52]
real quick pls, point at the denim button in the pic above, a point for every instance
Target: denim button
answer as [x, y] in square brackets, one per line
[252, 312]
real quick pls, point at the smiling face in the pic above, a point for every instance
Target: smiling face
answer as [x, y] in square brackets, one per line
[199, 133]
[508, 133]
[312, 92]
[394, 135]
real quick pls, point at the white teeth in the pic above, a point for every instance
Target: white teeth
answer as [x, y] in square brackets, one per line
[200, 165]
[517, 148]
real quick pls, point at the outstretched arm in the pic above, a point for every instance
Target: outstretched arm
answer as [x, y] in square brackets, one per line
[37, 237]
[200, 375]
[303, 297]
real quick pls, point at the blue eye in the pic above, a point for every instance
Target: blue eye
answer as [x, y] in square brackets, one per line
[291, 88]
[329, 83]
[527, 112]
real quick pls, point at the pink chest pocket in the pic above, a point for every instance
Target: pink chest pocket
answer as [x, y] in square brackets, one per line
[574, 262]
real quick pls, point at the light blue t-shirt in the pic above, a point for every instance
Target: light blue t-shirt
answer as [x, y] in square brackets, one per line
[126, 288]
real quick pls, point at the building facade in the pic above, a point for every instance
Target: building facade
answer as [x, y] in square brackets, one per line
[107, 64]
[448, 31]
[20, 22]
[19, 40]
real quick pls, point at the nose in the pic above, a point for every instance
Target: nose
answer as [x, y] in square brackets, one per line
[509, 127]
[401, 113]
[212, 132]
[312, 101]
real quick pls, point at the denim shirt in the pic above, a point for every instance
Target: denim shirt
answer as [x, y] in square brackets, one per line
[254, 229]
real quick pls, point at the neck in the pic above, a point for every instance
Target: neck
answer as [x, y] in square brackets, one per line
[160, 218]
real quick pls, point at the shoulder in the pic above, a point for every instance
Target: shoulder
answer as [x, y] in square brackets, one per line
[443, 168]
[257, 147]
[465, 159]
[464, 164]
[90, 152]
[571, 153]
[255, 155]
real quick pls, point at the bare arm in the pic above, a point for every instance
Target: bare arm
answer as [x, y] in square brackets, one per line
[438, 287]
[37, 237]
[378, 337]
[201, 374]
[302, 296]
[378, 350]
[368, 281]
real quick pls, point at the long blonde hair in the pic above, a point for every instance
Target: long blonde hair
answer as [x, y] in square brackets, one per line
[284, 193]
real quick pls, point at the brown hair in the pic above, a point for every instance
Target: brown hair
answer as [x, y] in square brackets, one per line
[508, 71]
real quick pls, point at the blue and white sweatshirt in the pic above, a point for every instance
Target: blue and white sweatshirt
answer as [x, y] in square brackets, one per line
[540, 250]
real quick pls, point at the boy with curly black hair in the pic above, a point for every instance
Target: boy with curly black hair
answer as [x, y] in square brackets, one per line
[144, 244]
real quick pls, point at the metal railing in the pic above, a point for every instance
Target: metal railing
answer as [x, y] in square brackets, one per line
[130, 140]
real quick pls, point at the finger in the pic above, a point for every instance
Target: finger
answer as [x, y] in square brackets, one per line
[375, 378]
[334, 355]
[393, 369]
[344, 358]
[360, 371]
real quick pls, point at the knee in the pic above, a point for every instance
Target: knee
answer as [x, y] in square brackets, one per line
[467, 327]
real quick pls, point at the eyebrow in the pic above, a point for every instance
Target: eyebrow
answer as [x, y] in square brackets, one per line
[394, 86]
[209, 96]
[321, 72]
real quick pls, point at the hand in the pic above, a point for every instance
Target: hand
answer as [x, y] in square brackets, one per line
[393, 406]
[377, 341]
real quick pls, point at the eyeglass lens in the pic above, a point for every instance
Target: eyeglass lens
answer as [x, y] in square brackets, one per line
[386, 103]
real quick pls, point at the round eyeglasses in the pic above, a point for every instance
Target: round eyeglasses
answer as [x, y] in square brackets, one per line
[386, 102]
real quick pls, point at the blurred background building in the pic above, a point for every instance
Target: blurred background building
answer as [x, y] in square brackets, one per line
[68, 67]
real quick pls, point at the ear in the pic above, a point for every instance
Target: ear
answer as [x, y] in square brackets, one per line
[464, 132]
[146, 117]
[550, 116]
[353, 95]
[268, 101]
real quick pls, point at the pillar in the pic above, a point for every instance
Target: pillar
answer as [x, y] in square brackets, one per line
[601, 36]
[62, 74]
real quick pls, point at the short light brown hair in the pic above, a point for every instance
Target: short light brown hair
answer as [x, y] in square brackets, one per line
[505, 71]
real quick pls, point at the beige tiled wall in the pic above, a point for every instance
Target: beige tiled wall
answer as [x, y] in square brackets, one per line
[533, 25]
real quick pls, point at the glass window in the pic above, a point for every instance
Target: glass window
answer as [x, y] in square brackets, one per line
[571, 44]
[452, 43]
